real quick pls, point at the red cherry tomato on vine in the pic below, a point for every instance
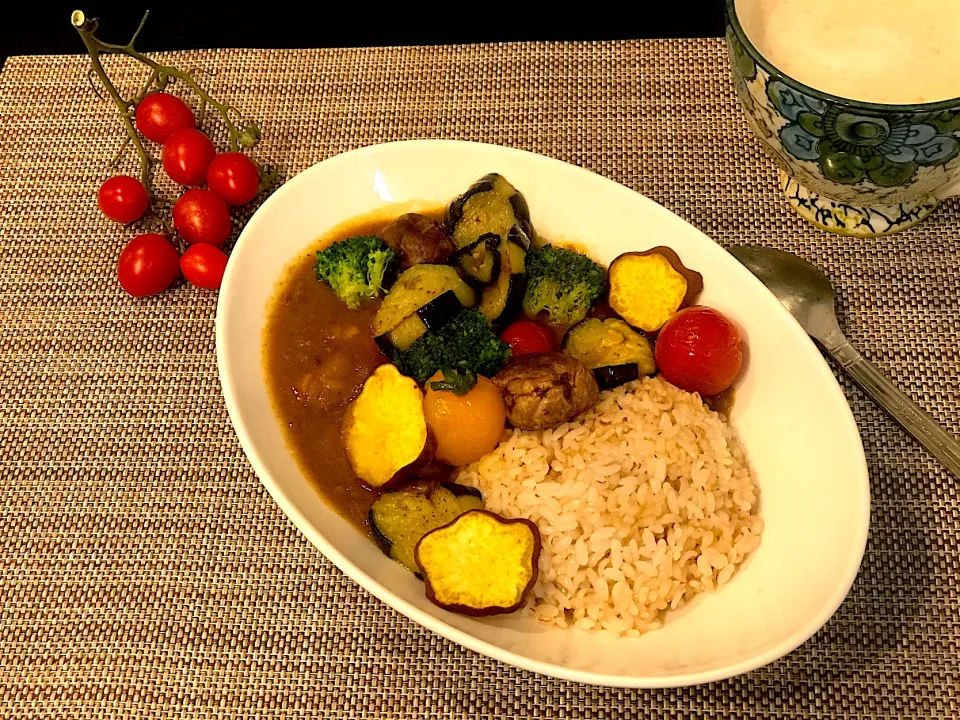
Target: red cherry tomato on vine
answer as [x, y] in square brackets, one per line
[525, 337]
[148, 265]
[700, 350]
[123, 199]
[234, 177]
[201, 216]
[187, 155]
[159, 115]
[203, 265]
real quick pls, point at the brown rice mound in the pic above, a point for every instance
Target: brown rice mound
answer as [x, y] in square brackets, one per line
[642, 503]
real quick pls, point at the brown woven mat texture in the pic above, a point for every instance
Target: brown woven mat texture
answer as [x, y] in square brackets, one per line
[146, 573]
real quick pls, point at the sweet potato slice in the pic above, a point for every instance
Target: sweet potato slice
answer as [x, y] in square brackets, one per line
[647, 288]
[480, 564]
[385, 431]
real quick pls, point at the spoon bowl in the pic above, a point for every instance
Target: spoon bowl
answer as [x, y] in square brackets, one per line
[808, 294]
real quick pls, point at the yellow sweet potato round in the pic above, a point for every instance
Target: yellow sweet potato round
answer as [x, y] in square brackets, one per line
[385, 432]
[647, 288]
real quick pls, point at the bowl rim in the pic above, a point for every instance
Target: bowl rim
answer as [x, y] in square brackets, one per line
[733, 22]
[229, 388]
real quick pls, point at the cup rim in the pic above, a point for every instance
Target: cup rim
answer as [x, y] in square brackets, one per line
[734, 22]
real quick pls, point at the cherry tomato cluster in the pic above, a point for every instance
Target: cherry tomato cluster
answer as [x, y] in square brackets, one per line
[150, 263]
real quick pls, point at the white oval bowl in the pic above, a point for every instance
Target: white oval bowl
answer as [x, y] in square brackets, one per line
[799, 433]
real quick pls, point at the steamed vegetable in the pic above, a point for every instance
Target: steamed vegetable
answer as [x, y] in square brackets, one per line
[385, 431]
[355, 268]
[506, 294]
[562, 283]
[490, 205]
[492, 210]
[700, 350]
[612, 349]
[417, 239]
[545, 390]
[479, 262]
[466, 339]
[414, 289]
[480, 564]
[465, 417]
[399, 519]
[432, 316]
[647, 288]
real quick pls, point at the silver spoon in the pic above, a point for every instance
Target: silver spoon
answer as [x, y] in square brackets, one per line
[807, 294]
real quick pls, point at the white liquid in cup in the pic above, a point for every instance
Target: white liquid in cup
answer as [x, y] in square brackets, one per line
[881, 51]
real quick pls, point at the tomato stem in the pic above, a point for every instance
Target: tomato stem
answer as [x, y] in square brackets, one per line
[87, 28]
[160, 77]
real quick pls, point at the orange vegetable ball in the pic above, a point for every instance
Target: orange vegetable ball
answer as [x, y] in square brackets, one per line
[466, 427]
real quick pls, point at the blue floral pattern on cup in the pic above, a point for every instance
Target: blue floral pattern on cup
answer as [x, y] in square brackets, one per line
[849, 167]
[852, 146]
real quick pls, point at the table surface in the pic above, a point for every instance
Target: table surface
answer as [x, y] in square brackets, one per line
[145, 572]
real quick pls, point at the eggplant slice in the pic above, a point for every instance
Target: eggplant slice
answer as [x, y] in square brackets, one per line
[612, 349]
[490, 205]
[493, 208]
[479, 262]
[399, 519]
[432, 316]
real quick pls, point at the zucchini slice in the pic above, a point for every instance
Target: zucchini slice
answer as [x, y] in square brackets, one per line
[479, 262]
[609, 348]
[399, 519]
[480, 563]
[415, 288]
[490, 205]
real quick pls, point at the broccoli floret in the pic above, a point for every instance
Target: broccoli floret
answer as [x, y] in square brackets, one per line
[563, 283]
[354, 268]
[465, 339]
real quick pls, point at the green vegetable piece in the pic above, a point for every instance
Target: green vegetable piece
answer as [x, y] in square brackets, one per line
[466, 341]
[562, 283]
[355, 268]
[459, 380]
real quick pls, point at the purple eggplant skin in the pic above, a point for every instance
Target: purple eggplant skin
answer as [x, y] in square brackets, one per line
[383, 542]
[439, 311]
[612, 376]
[521, 212]
[385, 344]
[518, 287]
[491, 241]
[458, 489]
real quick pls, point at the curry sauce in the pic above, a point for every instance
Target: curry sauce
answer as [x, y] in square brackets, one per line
[316, 356]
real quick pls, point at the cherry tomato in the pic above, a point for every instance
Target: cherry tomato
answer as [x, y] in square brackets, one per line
[526, 337]
[148, 265]
[123, 199]
[201, 216]
[159, 115]
[234, 177]
[466, 427]
[700, 350]
[203, 265]
[187, 155]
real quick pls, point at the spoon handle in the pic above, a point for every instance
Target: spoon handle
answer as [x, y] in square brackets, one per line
[904, 410]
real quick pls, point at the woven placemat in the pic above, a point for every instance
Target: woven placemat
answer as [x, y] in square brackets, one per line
[145, 573]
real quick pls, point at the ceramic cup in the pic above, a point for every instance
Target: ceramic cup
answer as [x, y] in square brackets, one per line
[850, 167]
